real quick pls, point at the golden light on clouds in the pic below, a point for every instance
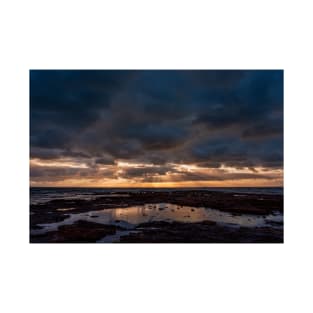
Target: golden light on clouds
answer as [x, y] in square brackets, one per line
[69, 173]
[57, 163]
[172, 128]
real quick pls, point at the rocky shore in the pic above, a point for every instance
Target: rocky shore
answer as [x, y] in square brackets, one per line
[156, 232]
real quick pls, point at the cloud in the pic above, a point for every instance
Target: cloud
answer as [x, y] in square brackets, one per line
[105, 161]
[58, 173]
[213, 118]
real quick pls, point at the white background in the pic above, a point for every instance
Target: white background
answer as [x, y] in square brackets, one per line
[156, 34]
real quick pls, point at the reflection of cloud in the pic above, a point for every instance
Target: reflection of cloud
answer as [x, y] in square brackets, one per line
[158, 122]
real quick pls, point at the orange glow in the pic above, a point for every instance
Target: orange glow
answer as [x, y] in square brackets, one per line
[130, 164]
[57, 163]
[130, 184]
[179, 176]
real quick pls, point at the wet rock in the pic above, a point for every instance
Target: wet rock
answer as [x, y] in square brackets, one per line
[245, 203]
[235, 205]
[204, 232]
[79, 232]
[36, 227]
[275, 223]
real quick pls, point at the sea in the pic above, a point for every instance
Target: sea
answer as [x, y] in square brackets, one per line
[45, 194]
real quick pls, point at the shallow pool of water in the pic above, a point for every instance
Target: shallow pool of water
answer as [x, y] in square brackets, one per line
[132, 216]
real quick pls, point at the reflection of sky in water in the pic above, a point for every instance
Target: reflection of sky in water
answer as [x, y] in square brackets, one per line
[134, 215]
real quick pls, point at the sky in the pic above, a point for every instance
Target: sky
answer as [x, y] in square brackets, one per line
[156, 128]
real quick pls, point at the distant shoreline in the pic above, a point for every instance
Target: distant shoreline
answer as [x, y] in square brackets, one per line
[77, 190]
[83, 187]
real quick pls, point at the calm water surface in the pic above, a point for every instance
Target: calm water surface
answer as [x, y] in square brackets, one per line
[130, 217]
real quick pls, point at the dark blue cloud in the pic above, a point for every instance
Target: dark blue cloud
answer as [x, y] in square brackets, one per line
[209, 117]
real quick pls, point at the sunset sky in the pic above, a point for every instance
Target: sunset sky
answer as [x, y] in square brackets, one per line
[152, 128]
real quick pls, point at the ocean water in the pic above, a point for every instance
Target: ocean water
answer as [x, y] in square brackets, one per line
[45, 194]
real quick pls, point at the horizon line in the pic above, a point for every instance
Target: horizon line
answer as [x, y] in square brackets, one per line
[156, 187]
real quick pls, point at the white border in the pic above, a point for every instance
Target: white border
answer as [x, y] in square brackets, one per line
[156, 34]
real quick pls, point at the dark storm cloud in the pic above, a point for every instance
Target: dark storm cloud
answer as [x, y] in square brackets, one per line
[53, 153]
[105, 161]
[156, 137]
[211, 118]
[155, 173]
[137, 172]
[254, 98]
[233, 151]
[188, 176]
[48, 173]
[64, 102]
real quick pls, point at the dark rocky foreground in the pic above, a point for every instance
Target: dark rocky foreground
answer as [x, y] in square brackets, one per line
[79, 232]
[204, 232]
[160, 232]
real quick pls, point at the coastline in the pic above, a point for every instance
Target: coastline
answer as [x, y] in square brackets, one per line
[160, 231]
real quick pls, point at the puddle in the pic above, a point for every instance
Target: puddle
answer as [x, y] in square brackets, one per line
[130, 217]
[65, 209]
[116, 237]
